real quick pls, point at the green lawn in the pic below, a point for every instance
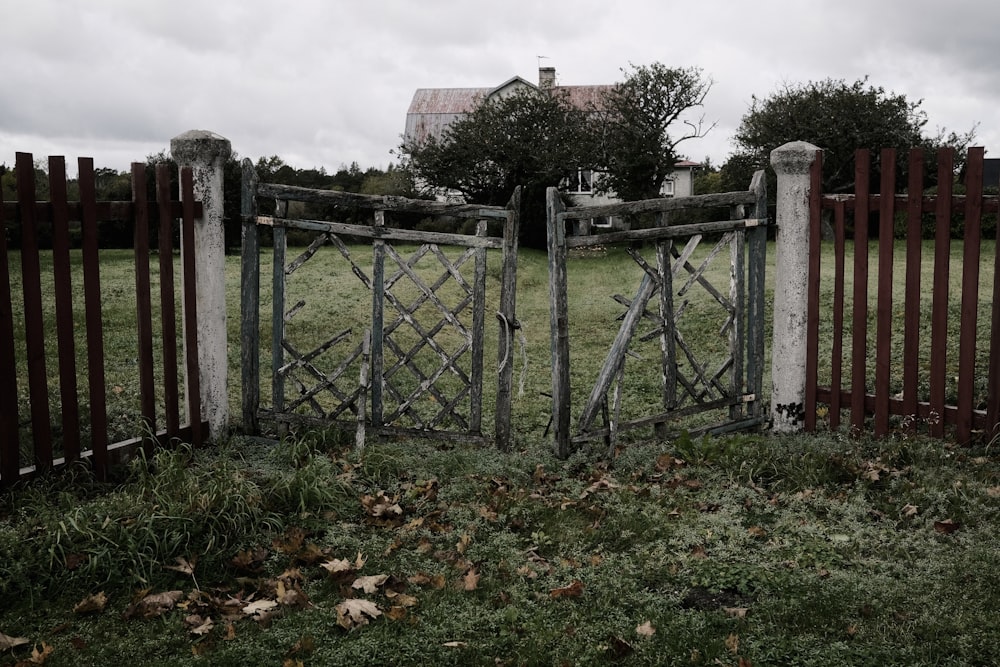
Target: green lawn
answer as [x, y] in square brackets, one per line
[749, 549]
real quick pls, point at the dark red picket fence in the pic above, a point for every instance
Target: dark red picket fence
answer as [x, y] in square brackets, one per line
[46, 440]
[942, 382]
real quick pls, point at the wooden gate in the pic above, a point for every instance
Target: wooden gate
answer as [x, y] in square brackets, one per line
[413, 363]
[693, 378]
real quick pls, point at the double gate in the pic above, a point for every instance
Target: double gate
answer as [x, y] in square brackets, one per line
[409, 357]
[406, 360]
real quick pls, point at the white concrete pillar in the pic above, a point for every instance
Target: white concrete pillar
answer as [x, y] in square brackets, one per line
[791, 163]
[206, 153]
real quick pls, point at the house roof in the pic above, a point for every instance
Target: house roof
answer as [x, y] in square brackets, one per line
[433, 109]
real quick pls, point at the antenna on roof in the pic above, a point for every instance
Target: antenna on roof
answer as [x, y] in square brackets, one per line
[540, 59]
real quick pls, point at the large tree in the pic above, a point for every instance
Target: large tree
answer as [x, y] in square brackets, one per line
[838, 117]
[528, 137]
[643, 119]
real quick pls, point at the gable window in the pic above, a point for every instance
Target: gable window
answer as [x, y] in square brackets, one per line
[581, 181]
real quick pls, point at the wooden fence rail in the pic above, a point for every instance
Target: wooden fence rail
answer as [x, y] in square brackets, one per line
[919, 368]
[42, 442]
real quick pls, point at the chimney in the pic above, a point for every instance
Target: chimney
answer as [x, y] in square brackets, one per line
[546, 77]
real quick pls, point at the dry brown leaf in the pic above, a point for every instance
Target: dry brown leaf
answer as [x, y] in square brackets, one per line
[470, 580]
[572, 590]
[699, 552]
[463, 543]
[337, 567]
[260, 609]
[909, 511]
[396, 613]
[756, 531]
[230, 632]
[184, 566]
[645, 630]
[369, 584]
[736, 612]
[92, 604]
[199, 626]
[355, 612]
[733, 643]
[251, 560]
[154, 605]
[7, 643]
[291, 541]
[946, 527]
[455, 644]
[39, 657]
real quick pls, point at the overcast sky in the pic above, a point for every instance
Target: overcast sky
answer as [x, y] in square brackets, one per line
[327, 83]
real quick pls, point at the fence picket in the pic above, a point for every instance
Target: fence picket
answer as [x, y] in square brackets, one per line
[883, 308]
[970, 292]
[911, 301]
[38, 388]
[95, 326]
[69, 403]
[859, 339]
[144, 316]
[939, 308]
[9, 437]
[189, 262]
[168, 322]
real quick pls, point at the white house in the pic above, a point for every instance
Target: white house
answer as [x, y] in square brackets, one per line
[433, 109]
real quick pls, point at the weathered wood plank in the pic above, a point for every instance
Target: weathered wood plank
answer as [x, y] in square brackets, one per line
[507, 314]
[837, 362]
[668, 347]
[559, 321]
[278, 318]
[616, 356]
[359, 433]
[756, 324]
[386, 233]
[714, 200]
[911, 301]
[351, 201]
[656, 233]
[737, 342]
[883, 308]
[378, 323]
[478, 333]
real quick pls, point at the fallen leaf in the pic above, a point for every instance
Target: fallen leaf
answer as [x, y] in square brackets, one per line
[251, 561]
[291, 541]
[699, 552]
[260, 608]
[455, 644]
[402, 599]
[396, 613]
[947, 527]
[909, 511]
[463, 543]
[733, 643]
[369, 584]
[470, 580]
[736, 612]
[92, 604]
[7, 643]
[39, 657]
[154, 605]
[199, 626]
[573, 590]
[184, 566]
[645, 630]
[337, 567]
[618, 648]
[756, 531]
[354, 612]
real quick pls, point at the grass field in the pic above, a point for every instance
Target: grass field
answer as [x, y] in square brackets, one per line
[748, 549]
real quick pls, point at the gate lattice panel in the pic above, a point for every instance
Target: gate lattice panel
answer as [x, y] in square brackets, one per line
[707, 339]
[406, 356]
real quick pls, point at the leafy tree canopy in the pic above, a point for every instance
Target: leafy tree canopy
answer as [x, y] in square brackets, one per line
[838, 117]
[639, 117]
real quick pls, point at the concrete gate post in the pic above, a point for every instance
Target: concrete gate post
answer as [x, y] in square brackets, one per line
[206, 153]
[791, 163]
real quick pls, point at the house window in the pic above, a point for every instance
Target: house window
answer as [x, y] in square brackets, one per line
[603, 222]
[581, 181]
[668, 188]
